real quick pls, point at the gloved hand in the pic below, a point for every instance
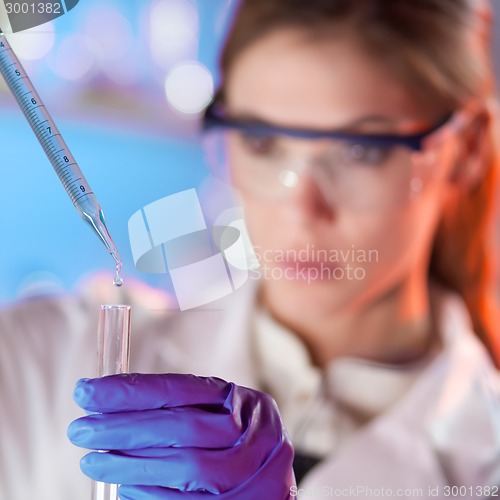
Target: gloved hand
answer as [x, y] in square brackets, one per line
[180, 436]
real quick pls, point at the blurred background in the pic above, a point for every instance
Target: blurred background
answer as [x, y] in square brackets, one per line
[125, 83]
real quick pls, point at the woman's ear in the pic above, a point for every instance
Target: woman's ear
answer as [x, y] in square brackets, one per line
[474, 150]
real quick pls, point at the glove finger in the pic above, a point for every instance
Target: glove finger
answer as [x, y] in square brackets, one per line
[273, 480]
[181, 427]
[188, 469]
[135, 391]
[159, 493]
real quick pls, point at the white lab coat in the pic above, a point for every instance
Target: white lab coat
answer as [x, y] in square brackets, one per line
[444, 431]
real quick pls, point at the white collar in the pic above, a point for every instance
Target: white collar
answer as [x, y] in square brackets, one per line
[366, 387]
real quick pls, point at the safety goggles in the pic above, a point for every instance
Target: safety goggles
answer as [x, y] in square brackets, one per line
[359, 171]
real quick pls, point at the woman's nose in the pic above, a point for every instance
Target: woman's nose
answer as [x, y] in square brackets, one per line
[309, 200]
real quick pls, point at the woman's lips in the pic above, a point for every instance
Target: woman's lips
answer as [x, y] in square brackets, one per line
[308, 270]
[304, 264]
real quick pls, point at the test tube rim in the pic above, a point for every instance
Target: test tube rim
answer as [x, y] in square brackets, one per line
[115, 306]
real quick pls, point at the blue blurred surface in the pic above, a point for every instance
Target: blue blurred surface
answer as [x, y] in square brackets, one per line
[40, 229]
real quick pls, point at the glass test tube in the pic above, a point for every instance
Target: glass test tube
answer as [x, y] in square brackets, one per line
[113, 334]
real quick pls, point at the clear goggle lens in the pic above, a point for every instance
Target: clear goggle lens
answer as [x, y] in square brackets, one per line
[349, 174]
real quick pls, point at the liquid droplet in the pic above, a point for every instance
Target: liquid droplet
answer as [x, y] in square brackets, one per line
[118, 280]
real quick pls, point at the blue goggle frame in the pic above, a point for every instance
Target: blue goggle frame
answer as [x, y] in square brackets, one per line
[214, 118]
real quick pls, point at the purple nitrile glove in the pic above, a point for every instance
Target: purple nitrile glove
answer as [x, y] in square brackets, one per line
[180, 436]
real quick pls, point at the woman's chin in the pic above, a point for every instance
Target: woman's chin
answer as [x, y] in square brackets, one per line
[314, 295]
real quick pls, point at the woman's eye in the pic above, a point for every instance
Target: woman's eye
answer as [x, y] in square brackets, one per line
[258, 144]
[367, 154]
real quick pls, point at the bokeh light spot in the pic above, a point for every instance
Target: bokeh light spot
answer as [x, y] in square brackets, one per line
[189, 87]
[74, 59]
[33, 44]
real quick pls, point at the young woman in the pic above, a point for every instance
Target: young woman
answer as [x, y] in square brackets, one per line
[360, 137]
